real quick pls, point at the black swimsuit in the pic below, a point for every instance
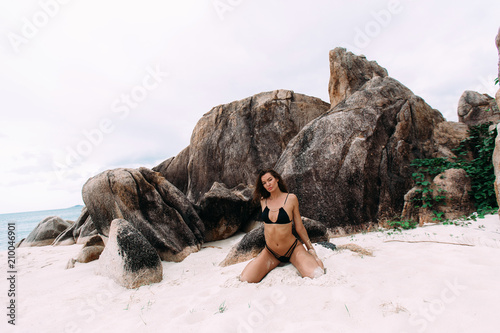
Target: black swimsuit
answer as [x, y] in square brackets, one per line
[283, 218]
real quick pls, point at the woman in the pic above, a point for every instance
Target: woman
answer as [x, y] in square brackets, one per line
[279, 209]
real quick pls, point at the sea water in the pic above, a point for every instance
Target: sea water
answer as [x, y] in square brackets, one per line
[27, 221]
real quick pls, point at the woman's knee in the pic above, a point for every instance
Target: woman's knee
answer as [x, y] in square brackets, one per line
[313, 273]
[310, 267]
[245, 277]
[249, 280]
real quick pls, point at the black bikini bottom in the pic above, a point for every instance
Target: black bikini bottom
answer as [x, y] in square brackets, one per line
[288, 254]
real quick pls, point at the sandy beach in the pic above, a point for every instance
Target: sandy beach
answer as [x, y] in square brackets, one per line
[436, 278]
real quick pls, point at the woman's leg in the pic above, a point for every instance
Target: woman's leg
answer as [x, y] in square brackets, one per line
[259, 267]
[305, 263]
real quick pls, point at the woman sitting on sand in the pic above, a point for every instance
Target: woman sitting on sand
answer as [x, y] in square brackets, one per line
[279, 209]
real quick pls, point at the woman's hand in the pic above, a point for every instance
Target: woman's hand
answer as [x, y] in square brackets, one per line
[313, 253]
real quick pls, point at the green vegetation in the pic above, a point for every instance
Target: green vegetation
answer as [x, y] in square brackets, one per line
[481, 143]
[222, 307]
[402, 224]
[474, 155]
[427, 169]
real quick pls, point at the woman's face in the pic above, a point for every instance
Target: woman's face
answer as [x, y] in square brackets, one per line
[269, 182]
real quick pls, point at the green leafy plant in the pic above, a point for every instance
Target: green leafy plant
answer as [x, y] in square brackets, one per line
[474, 155]
[426, 170]
[402, 224]
[438, 216]
[480, 143]
[496, 81]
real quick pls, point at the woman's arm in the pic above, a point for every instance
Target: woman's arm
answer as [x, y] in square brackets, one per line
[299, 226]
[301, 230]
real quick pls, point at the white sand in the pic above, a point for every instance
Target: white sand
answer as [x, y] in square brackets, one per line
[404, 287]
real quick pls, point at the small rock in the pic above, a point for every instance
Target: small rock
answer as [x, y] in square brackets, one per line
[91, 250]
[128, 258]
[475, 108]
[46, 232]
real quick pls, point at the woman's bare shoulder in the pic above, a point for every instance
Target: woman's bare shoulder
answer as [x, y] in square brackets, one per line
[293, 198]
[262, 202]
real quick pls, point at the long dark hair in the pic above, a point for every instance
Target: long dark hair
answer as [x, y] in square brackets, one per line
[260, 192]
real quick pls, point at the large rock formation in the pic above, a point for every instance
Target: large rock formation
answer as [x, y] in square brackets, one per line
[46, 231]
[233, 141]
[349, 163]
[128, 258]
[475, 108]
[352, 165]
[155, 207]
[348, 73]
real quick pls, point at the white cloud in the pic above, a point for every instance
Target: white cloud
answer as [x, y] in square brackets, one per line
[61, 85]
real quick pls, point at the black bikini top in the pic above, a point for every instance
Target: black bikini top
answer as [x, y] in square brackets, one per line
[283, 217]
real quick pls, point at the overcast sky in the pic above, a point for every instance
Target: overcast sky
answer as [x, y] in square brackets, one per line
[87, 86]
